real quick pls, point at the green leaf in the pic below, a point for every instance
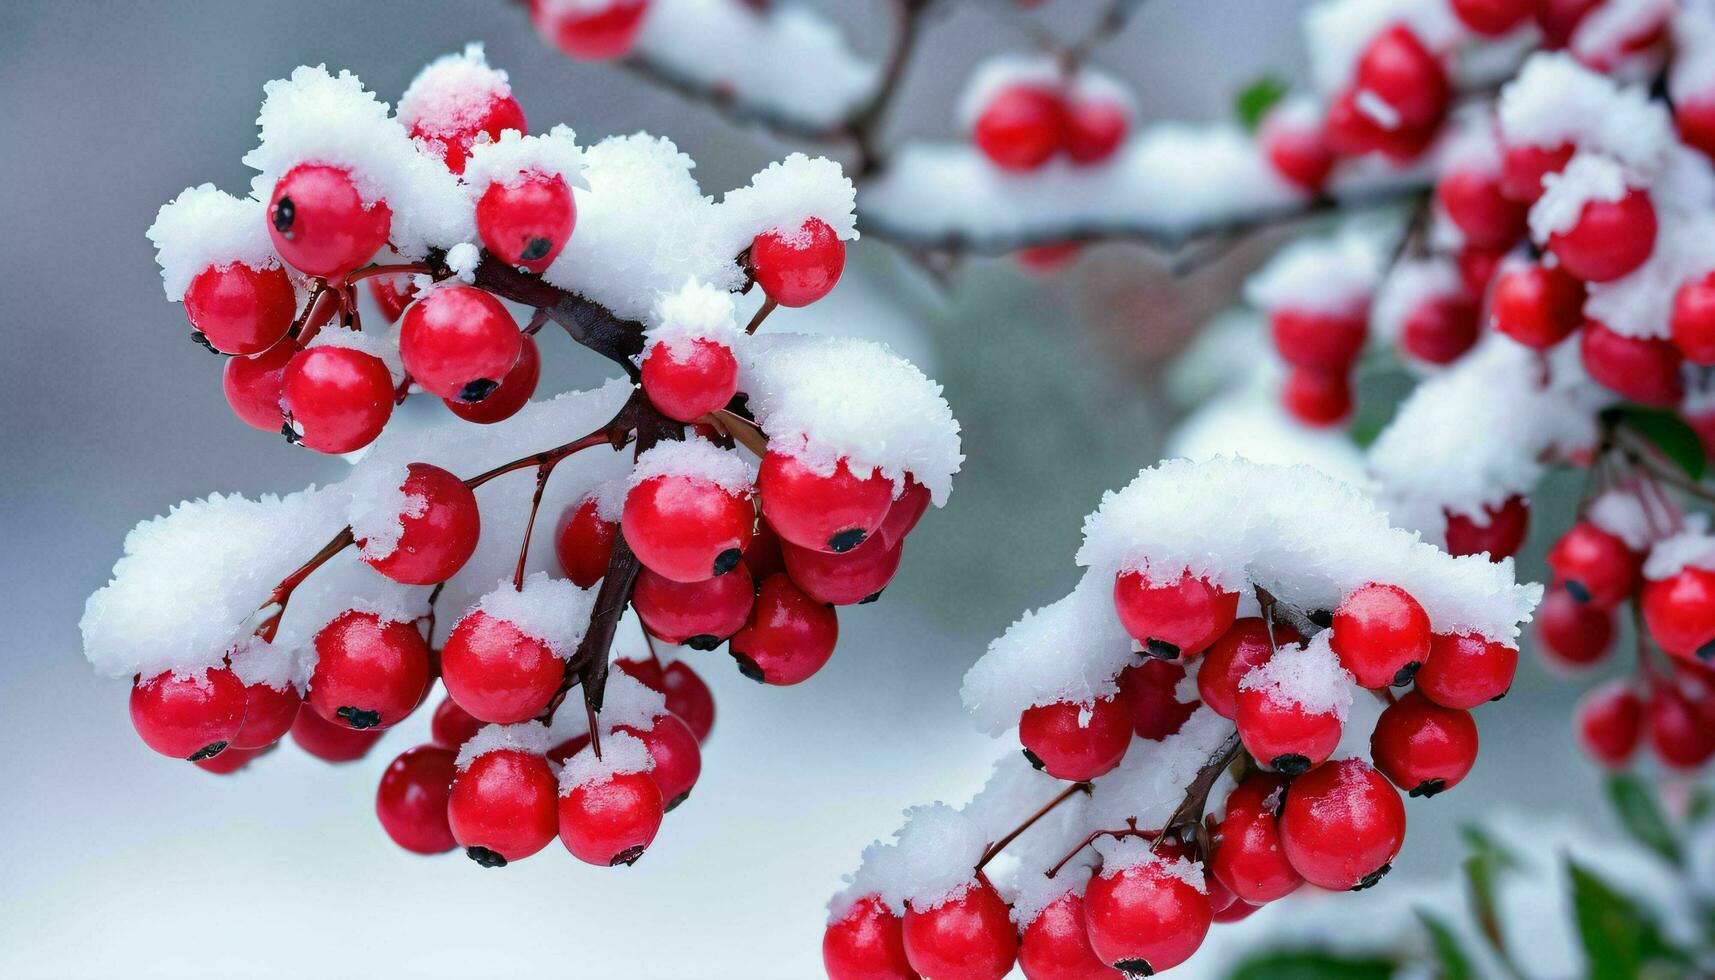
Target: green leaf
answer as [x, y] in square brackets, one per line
[1642, 815]
[1313, 965]
[1702, 805]
[1255, 99]
[1664, 430]
[1620, 939]
[1455, 965]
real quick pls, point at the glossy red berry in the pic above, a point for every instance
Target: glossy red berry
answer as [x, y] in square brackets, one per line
[611, 821]
[590, 34]
[511, 396]
[645, 670]
[1095, 128]
[497, 672]
[1423, 747]
[1076, 741]
[1022, 127]
[1609, 240]
[330, 742]
[1695, 118]
[459, 342]
[1398, 70]
[1610, 723]
[1147, 918]
[1283, 734]
[1679, 612]
[1354, 128]
[1342, 825]
[451, 726]
[441, 527]
[834, 511]
[411, 801]
[1316, 341]
[369, 673]
[1693, 320]
[1680, 728]
[688, 379]
[1643, 369]
[1317, 398]
[856, 576]
[686, 528]
[1173, 618]
[1474, 202]
[1493, 17]
[904, 513]
[764, 557]
[678, 761]
[1055, 945]
[392, 294]
[1572, 634]
[1149, 691]
[193, 717]
[689, 697]
[229, 761]
[696, 614]
[241, 310]
[268, 715]
[527, 223]
[867, 942]
[503, 807]
[798, 268]
[1537, 305]
[1499, 536]
[1594, 566]
[1248, 859]
[967, 937]
[789, 636]
[1230, 658]
[463, 123]
[337, 399]
[1477, 267]
[1466, 670]
[1381, 635]
[1298, 150]
[252, 386]
[1559, 19]
[584, 542]
[1440, 329]
[1523, 168]
[319, 222]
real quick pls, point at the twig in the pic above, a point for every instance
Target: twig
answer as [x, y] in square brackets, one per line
[995, 848]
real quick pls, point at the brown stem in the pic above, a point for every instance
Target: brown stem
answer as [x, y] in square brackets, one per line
[406, 269]
[282, 593]
[746, 432]
[768, 306]
[1273, 609]
[995, 848]
[607, 434]
[429, 617]
[864, 127]
[542, 473]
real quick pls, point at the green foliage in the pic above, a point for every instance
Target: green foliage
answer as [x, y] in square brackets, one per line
[1664, 430]
[1314, 965]
[1450, 955]
[1254, 100]
[1621, 940]
[1636, 805]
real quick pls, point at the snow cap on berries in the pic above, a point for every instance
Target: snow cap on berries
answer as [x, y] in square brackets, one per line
[203, 227]
[1554, 101]
[787, 193]
[937, 848]
[383, 347]
[1124, 853]
[462, 260]
[609, 497]
[509, 160]
[1336, 32]
[620, 754]
[529, 737]
[1335, 274]
[1036, 891]
[629, 701]
[256, 661]
[552, 611]
[379, 505]
[695, 458]
[1149, 783]
[1588, 179]
[1620, 511]
[1000, 72]
[1311, 678]
[1409, 285]
[696, 311]
[453, 92]
[1692, 547]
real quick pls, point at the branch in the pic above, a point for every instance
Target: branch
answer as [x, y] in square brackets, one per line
[864, 128]
[990, 852]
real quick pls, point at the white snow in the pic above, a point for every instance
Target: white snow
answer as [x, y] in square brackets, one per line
[694, 458]
[937, 849]
[1691, 77]
[695, 311]
[1124, 853]
[514, 157]
[382, 347]
[452, 93]
[378, 507]
[1150, 781]
[783, 195]
[256, 661]
[629, 701]
[529, 737]
[550, 610]
[620, 754]
[1692, 547]
[1589, 178]
[205, 227]
[1621, 512]
[1334, 275]
[1555, 101]
[1311, 678]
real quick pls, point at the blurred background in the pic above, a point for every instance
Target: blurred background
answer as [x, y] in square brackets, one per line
[121, 863]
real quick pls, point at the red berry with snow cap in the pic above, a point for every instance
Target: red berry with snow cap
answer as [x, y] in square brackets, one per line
[1609, 240]
[1381, 634]
[526, 221]
[1284, 734]
[696, 614]
[1230, 658]
[319, 223]
[1679, 612]
[1537, 305]
[1247, 858]
[497, 672]
[1493, 18]
[597, 33]
[1474, 202]
[799, 267]
[370, 672]
[969, 936]
[1610, 723]
[336, 399]
[834, 511]
[503, 807]
[1297, 148]
[1056, 946]
[1693, 320]
[441, 526]
[1397, 70]
[411, 801]
[1022, 127]
[330, 742]
[1465, 670]
[1173, 618]
[252, 386]
[789, 636]
[677, 760]
[584, 542]
[1423, 747]
[1643, 369]
[688, 379]
[192, 717]
[241, 310]
[904, 513]
[1095, 128]
[867, 942]
[1150, 691]
[687, 528]
[450, 114]
[1499, 536]
[268, 715]
[1342, 825]
[856, 576]
[513, 393]
[689, 698]
[458, 342]
[1075, 741]
[1594, 567]
[1147, 918]
[612, 821]
[1573, 634]
[1523, 167]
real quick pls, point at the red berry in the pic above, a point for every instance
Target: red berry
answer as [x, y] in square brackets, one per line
[458, 342]
[496, 672]
[687, 380]
[1236, 912]
[1493, 17]
[241, 310]
[697, 614]
[798, 268]
[1313, 341]
[1695, 118]
[1055, 945]
[412, 800]
[1694, 320]
[513, 394]
[1477, 267]
[1147, 918]
[1298, 150]
[319, 222]
[268, 715]
[611, 821]
[441, 525]
[584, 542]
[967, 937]
[1440, 329]
[502, 807]
[369, 673]
[1537, 305]
[1076, 741]
[1283, 734]
[1317, 398]
[859, 575]
[1573, 634]
[1148, 689]
[1248, 858]
[1610, 721]
[1423, 747]
[764, 556]
[1178, 618]
[1466, 670]
[1679, 727]
[590, 35]
[1230, 658]
[1524, 167]
[1500, 537]
[646, 671]
[1354, 129]
[1045, 260]
[527, 223]
[826, 511]
[1474, 202]
[451, 726]
[1342, 825]
[1398, 70]
[1095, 128]
[789, 636]
[686, 528]
[330, 742]
[1642, 369]
[253, 386]
[689, 698]
[337, 398]
[1559, 20]
[1679, 612]
[678, 761]
[904, 513]
[464, 125]
[392, 294]
[1022, 127]
[194, 717]
[1594, 566]
[228, 762]
[1381, 635]
[867, 942]
[1609, 240]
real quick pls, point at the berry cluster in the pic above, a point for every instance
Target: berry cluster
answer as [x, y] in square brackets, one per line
[590, 31]
[752, 483]
[1205, 655]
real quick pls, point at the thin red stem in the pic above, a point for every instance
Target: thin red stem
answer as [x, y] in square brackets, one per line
[998, 846]
[542, 473]
[406, 269]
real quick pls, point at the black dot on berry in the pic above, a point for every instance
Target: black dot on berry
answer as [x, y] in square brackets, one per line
[1035, 760]
[703, 641]
[1502, 694]
[1291, 764]
[873, 596]
[727, 560]
[1161, 649]
[359, 718]
[284, 212]
[846, 540]
[749, 667]
[1428, 788]
[536, 248]
[1369, 880]
[1706, 652]
[675, 801]
[208, 751]
[627, 857]
[477, 390]
[1134, 968]
[202, 341]
[485, 857]
[1404, 675]
[290, 433]
[1577, 591]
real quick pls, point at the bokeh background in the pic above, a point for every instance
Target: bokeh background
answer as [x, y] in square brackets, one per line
[118, 863]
